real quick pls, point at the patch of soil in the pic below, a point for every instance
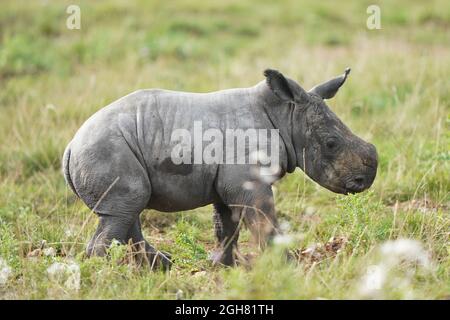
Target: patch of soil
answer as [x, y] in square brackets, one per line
[318, 251]
[44, 250]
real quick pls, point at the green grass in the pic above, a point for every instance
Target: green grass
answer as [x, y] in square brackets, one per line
[398, 97]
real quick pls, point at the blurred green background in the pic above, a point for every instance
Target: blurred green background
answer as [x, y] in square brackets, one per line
[52, 79]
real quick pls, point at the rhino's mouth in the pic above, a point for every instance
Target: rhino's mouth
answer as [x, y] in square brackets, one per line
[337, 189]
[345, 191]
[352, 185]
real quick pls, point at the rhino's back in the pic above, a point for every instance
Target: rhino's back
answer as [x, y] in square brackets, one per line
[186, 186]
[141, 124]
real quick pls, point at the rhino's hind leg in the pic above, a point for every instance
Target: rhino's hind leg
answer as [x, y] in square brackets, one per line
[146, 253]
[114, 185]
[118, 210]
[109, 228]
[227, 232]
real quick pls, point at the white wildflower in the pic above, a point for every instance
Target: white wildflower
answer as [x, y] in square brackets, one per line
[405, 250]
[70, 231]
[309, 211]
[383, 277]
[259, 156]
[56, 271]
[373, 281]
[248, 185]
[49, 252]
[50, 106]
[285, 226]
[269, 174]
[283, 239]
[74, 279]
[5, 272]
[179, 294]
[67, 272]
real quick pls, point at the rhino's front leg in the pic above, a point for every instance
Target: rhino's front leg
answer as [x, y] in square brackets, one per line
[226, 227]
[255, 206]
[259, 215]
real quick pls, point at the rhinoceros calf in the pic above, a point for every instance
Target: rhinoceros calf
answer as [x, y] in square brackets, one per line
[119, 162]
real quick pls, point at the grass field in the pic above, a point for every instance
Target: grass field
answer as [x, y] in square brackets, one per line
[397, 97]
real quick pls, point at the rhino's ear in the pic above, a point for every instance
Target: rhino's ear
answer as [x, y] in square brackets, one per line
[278, 84]
[328, 89]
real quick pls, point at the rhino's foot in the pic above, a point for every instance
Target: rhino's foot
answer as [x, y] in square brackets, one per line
[222, 257]
[159, 260]
[146, 255]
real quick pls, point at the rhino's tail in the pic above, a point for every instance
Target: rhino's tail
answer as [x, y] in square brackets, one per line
[65, 168]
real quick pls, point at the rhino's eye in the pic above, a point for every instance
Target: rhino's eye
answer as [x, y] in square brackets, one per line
[331, 144]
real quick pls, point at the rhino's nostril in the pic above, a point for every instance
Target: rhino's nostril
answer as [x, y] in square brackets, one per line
[359, 180]
[356, 184]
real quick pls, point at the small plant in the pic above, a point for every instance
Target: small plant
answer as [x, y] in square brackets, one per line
[116, 253]
[9, 250]
[357, 207]
[363, 219]
[193, 250]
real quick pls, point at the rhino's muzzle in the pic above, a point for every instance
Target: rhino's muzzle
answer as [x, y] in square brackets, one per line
[361, 181]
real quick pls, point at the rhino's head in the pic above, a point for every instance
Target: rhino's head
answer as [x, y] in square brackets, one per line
[326, 150]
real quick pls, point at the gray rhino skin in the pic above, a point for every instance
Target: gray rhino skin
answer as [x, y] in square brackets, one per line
[119, 161]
